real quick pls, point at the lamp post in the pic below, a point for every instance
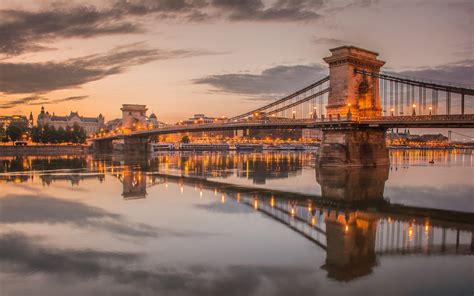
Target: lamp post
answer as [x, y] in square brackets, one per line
[431, 109]
[349, 114]
[294, 114]
[391, 111]
[315, 114]
[413, 113]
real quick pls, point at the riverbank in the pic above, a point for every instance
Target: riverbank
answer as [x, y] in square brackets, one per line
[43, 150]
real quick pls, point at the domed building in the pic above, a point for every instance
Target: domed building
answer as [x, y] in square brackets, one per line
[153, 120]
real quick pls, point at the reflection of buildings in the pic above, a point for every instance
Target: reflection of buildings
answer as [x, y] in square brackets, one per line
[264, 166]
[258, 167]
[23, 169]
[48, 179]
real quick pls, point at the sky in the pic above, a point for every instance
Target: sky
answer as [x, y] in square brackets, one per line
[218, 57]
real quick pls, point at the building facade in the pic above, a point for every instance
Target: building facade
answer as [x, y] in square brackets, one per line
[5, 121]
[90, 124]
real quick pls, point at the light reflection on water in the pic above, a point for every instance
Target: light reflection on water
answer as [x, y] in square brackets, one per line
[236, 224]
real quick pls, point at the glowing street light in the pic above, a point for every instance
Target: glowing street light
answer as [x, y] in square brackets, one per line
[294, 114]
[414, 110]
[431, 109]
[391, 111]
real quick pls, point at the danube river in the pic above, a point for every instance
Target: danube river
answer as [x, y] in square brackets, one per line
[236, 224]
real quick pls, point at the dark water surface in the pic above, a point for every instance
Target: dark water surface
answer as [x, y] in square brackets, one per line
[236, 224]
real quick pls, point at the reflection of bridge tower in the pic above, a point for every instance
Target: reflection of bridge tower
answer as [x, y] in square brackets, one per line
[351, 184]
[134, 184]
[350, 236]
[350, 245]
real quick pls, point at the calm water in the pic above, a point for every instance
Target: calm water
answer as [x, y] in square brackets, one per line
[236, 224]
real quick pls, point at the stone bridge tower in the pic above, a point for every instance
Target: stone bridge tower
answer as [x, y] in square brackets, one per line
[353, 144]
[133, 117]
[347, 87]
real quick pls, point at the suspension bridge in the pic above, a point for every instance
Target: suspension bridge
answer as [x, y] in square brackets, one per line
[354, 106]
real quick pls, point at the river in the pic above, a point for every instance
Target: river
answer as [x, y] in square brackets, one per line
[236, 224]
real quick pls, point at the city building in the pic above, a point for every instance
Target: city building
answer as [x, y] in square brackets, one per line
[89, 124]
[200, 118]
[5, 121]
[203, 119]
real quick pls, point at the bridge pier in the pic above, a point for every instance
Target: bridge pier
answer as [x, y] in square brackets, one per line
[353, 146]
[136, 145]
[103, 145]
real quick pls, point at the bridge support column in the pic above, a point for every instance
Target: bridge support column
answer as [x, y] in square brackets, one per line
[136, 145]
[353, 146]
[102, 146]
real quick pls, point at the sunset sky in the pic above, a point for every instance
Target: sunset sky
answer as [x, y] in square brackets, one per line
[218, 57]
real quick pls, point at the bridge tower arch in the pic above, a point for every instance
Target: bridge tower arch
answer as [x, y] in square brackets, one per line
[348, 87]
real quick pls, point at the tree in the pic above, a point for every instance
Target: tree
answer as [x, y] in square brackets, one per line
[185, 139]
[49, 134]
[14, 132]
[61, 135]
[3, 134]
[36, 134]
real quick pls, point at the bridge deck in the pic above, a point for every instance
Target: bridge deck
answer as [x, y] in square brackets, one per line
[420, 121]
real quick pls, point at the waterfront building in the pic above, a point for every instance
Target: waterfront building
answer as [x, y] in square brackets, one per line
[89, 124]
[203, 119]
[5, 121]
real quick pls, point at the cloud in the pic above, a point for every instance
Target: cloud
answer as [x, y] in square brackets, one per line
[329, 41]
[460, 197]
[21, 254]
[20, 31]
[459, 72]
[72, 73]
[30, 100]
[229, 207]
[26, 31]
[281, 10]
[49, 210]
[275, 81]
[38, 100]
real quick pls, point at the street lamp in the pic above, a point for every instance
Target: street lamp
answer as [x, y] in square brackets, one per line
[315, 114]
[413, 113]
[431, 109]
[349, 114]
[391, 111]
[294, 114]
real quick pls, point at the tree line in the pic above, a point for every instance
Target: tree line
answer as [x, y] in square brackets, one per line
[43, 134]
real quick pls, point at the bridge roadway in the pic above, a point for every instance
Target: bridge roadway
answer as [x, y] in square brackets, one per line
[418, 121]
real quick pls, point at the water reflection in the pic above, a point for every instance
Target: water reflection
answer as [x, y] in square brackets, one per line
[350, 219]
